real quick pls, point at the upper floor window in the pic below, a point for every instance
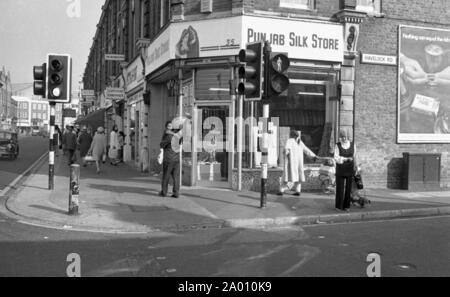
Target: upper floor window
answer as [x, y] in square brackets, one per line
[297, 4]
[369, 6]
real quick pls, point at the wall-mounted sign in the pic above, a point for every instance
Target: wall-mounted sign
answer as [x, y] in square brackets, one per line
[69, 113]
[87, 93]
[115, 94]
[114, 57]
[226, 36]
[378, 59]
[300, 39]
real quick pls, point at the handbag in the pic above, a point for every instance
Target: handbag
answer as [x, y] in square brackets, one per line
[89, 158]
[358, 181]
[112, 154]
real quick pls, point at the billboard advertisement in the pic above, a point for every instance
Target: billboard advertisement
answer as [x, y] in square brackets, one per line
[423, 85]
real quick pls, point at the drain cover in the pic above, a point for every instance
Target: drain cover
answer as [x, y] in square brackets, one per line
[142, 208]
[406, 266]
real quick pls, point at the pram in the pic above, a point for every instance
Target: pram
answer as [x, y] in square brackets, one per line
[327, 176]
[358, 194]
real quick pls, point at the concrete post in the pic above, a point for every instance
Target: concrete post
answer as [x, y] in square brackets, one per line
[74, 189]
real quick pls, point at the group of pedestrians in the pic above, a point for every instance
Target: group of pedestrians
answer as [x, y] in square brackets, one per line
[94, 147]
[344, 157]
[293, 174]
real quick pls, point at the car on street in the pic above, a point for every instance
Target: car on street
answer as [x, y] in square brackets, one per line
[9, 144]
[35, 131]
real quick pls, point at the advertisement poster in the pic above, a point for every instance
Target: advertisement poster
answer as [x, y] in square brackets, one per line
[424, 85]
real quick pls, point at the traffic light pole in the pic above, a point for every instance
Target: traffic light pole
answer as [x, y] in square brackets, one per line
[52, 142]
[265, 132]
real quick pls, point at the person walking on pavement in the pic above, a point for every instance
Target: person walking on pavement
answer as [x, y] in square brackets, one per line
[169, 157]
[98, 147]
[113, 145]
[84, 144]
[293, 165]
[344, 155]
[121, 144]
[70, 143]
[58, 140]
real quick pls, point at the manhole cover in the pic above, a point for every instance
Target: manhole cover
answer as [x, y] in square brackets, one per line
[142, 208]
[406, 266]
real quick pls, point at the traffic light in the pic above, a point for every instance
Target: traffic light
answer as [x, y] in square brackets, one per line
[251, 72]
[39, 85]
[275, 68]
[59, 77]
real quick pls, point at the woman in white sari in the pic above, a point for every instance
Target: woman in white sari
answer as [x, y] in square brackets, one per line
[294, 164]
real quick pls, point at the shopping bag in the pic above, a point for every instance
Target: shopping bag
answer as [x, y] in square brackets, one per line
[358, 181]
[89, 158]
[112, 154]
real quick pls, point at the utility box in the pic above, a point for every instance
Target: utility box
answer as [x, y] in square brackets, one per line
[421, 171]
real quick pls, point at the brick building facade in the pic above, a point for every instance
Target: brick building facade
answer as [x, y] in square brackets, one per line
[330, 90]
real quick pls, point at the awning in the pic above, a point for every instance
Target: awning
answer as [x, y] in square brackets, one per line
[94, 119]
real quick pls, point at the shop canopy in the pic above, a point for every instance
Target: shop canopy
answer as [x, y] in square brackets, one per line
[94, 119]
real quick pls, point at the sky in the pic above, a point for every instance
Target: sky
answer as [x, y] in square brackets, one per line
[29, 29]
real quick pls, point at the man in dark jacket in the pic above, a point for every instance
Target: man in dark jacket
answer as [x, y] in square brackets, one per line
[70, 142]
[170, 147]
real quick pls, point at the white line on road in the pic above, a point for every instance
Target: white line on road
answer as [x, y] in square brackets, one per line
[15, 181]
[380, 221]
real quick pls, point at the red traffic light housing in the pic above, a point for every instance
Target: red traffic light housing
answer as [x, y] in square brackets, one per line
[59, 78]
[277, 81]
[251, 72]
[39, 84]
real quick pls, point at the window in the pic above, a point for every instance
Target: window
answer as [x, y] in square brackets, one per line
[297, 4]
[34, 106]
[164, 13]
[212, 84]
[369, 6]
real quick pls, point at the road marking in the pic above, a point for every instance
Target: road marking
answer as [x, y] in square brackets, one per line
[15, 181]
[379, 221]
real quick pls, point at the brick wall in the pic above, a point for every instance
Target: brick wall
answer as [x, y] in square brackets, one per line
[376, 93]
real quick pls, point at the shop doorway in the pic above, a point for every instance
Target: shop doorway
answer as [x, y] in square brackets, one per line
[212, 159]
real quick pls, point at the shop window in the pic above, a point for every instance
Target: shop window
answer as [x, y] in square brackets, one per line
[297, 4]
[212, 84]
[369, 6]
[304, 109]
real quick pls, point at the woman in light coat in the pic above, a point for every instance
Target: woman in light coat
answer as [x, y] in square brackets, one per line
[293, 165]
[98, 147]
[113, 145]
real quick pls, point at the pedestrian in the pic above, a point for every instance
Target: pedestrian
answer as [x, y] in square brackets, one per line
[84, 144]
[70, 142]
[57, 138]
[293, 166]
[98, 147]
[121, 144]
[113, 145]
[344, 155]
[169, 157]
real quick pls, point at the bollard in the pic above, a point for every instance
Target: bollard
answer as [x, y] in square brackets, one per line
[74, 192]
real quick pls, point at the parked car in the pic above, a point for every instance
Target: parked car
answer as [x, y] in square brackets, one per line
[9, 144]
[35, 131]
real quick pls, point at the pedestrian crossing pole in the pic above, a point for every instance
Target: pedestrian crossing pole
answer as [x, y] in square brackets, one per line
[264, 154]
[52, 143]
[265, 127]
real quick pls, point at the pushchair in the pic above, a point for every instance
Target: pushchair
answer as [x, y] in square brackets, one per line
[327, 176]
[358, 194]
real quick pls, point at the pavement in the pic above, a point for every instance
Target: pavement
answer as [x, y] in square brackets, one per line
[122, 200]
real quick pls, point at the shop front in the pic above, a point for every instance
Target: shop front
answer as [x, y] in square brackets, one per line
[135, 117]
[200, 86]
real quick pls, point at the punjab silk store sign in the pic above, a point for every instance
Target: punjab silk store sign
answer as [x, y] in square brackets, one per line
[301, 40]
[225, 37]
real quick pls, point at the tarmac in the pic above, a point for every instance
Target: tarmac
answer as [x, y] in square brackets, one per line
[122, 200]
